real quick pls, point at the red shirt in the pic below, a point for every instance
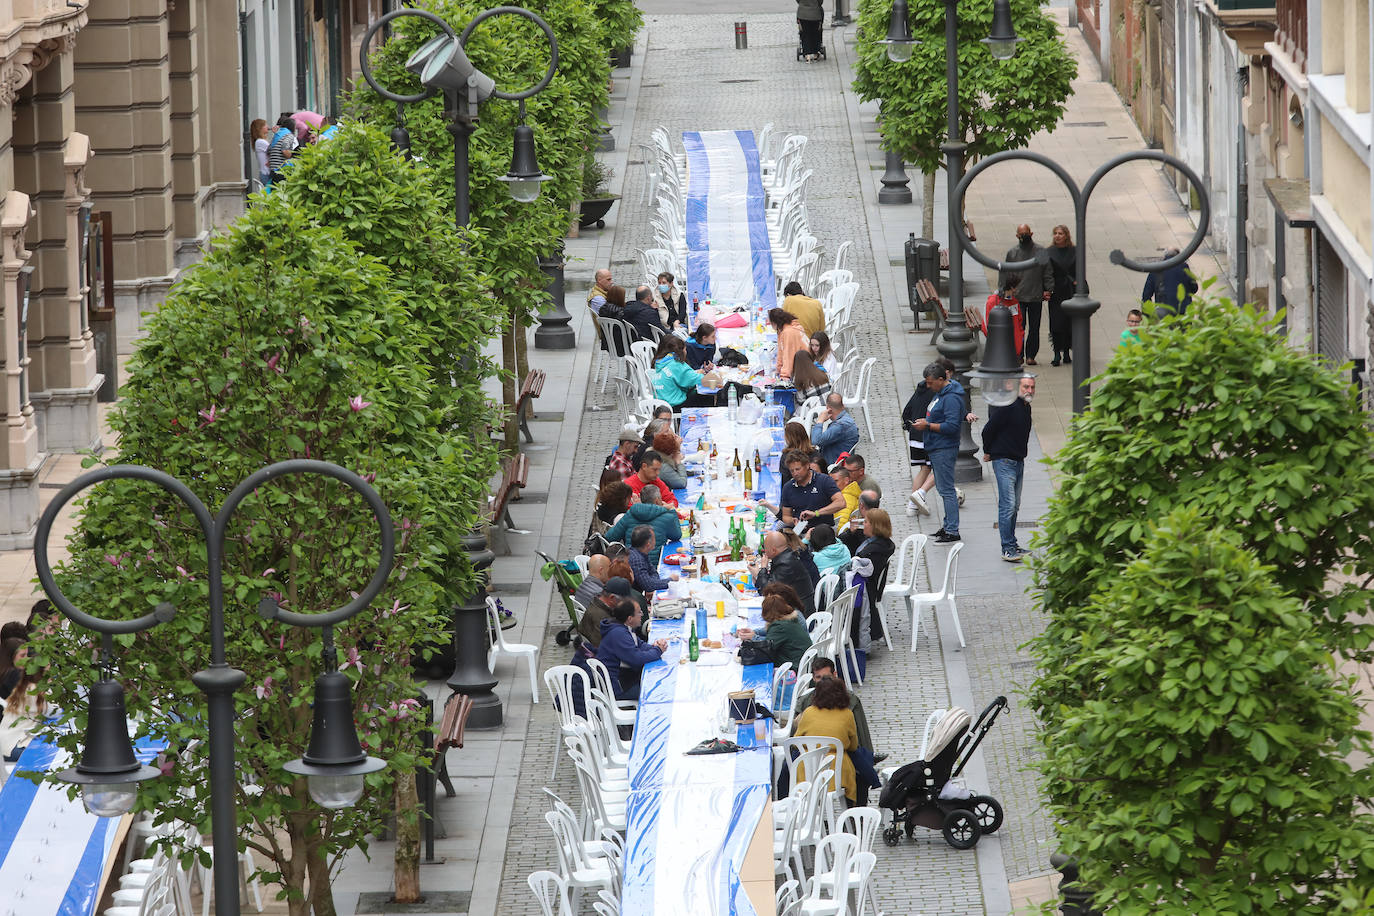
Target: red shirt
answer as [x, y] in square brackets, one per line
[1010, 302]
[637, 483]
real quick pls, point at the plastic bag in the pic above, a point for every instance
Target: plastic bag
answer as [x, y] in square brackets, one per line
[713, 592]
[750, 410]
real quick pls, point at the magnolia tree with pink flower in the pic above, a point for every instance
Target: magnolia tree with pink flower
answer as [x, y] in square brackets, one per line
[301, 334]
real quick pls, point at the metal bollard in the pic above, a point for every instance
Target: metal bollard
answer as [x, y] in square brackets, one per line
[741, 36]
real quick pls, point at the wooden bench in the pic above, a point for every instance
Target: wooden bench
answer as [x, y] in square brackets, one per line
[944, 252]
[514, 477]
[930, 299]
[531, 389]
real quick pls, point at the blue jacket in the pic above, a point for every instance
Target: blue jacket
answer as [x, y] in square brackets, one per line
[662, 519]
[947, 409]
[1164, 288]
[698, 354]
[840, 436]
[674, 380]
[624, 657]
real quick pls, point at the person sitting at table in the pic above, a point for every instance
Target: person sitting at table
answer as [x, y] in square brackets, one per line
[612, 502]
[25, 707]
[648, 511]
[829, 554]
[807, 378]
[671, 304]
[822, 354]
[849, 489]
[829, 716]
[791, 338]
[616, 590]
[858, 472]
[647, 475]
[798, 546]
[878, 548]
[701, 347]
[620, 569]
[644, 561]
[622, 459]
[623, 653]
[652, 429]
[614, 306]
[854, 535]
[674, 471]
[642, 315]
[795, 438]
[821, 669]
[594, 582]
[674, 380]
[779, 563]
[11, 673]
[13, 630]
[808, 496]
[835, 431]
[784, 631]
[808, 311]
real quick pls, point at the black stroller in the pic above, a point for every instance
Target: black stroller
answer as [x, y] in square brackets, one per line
[801, 53]
[913, 792]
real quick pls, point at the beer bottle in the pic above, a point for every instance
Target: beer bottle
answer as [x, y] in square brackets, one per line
[693, 647]
[758, 462]
[714, 454]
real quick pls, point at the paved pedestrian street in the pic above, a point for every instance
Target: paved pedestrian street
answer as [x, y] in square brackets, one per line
[686, 74]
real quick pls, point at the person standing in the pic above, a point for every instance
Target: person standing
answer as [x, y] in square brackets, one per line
[1131, 333]
[810, 18]
[1032, 287]
[281, 148]
[1006, 437]
[260, 136]
[1064, 268]
[939, 429]
[1006, 296]
[1171, 290]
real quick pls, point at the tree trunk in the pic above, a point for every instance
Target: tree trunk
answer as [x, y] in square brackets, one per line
[321, 891]
[407, 859]
[293, 869]
[522, 365]
[508, 389]
[928, 205]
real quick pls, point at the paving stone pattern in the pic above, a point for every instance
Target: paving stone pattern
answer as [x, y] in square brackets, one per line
[694, 79]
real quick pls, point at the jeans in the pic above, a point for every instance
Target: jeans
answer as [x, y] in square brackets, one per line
[942, 465]
[1010, 474]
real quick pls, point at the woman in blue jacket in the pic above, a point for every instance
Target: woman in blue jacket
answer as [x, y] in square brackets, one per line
[701, 347]
[623, 653]
[674, 380]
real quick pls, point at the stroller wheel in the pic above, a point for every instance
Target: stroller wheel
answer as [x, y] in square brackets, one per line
[892, 836]
[987, 811]
[562, 637]
[961, 830]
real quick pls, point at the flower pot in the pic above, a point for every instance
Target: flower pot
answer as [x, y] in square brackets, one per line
[594, 211]
[620, 57]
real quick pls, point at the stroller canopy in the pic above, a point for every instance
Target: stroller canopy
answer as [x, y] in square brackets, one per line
[949, 728]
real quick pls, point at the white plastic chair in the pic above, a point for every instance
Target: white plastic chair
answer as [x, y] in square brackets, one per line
[551, 892]
[499, 646]
[582, 560]
[818, 624]
[204, 875]
[946, 593]
[605, 804]
[860, 396]
[903, 581]
[578, 869]
[622, 710]
[787, 858]
[643, 350]
[564, 683]
[779, 681]
[828, 585]
[838, 862]
[864, 824]
[842, 616]
[842, 255]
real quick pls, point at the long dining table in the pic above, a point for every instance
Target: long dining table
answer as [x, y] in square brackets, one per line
[699, 836]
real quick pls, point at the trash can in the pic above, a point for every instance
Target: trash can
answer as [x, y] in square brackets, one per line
[922, 257]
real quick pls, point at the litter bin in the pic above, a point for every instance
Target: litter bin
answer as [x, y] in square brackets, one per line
[922, 257]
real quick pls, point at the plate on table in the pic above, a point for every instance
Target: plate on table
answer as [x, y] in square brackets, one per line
[676, 559]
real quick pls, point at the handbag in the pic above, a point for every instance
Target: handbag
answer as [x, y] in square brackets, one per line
[864, 769]
[756, 652]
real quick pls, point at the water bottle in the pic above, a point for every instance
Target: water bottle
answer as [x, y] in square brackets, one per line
[732, 403]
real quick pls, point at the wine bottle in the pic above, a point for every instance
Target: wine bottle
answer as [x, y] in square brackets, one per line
[736, 464]
[693, 647]
[748, 478]
[758, 462]
[714, 454]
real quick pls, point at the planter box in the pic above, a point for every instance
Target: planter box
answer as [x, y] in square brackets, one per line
[594, 211]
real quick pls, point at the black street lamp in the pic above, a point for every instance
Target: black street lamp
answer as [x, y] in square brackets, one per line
[1082, 306]
[442, 65]
[1000, 374]
[108, 772]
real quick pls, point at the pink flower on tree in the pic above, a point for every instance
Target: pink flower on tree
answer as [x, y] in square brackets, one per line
[272, 362]
[356, 403]
[353, 660]
[264, 690]
[209, 416]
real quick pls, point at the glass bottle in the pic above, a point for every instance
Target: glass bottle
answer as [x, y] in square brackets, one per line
[758, 462]
[693, 647]
[748, 478]
[736, 463]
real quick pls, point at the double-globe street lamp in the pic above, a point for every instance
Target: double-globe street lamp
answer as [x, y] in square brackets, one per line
[442, 66]
[1081, 307]
[334, 763]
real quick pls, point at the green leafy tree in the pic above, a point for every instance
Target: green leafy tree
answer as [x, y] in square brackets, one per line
[1002, 103]
[621, 19]
[510, 236]
[285, 341]
[1214, 412]
[1207, 772]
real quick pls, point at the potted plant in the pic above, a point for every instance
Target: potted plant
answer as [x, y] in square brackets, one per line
[596, 198]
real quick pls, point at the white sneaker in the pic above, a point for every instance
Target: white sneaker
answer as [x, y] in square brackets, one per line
[910, 508]
[959, 493]
[918, 500]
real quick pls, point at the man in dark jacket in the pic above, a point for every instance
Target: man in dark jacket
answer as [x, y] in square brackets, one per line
[940, 430]
[1006, 437]
[642, 315]
[1171, 290]
[780, 563]
[1032, 288]
[623, 653]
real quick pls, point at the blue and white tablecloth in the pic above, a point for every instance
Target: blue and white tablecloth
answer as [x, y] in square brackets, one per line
[729, 255]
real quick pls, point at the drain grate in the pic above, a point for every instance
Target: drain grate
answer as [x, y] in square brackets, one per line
[1084, 124]
[740, 81]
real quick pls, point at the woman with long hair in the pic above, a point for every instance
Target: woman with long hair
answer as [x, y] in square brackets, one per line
[822, 354]
[808, 379]
[876, 548]
[1064, 264]
[615, 303]
[701, 347]
[613, 500]
[674, 380]
[25, 706]
[784, 631]
[829, 716]
[259, 136]
[791, 338]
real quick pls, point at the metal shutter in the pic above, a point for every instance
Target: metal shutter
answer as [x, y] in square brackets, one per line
[1331, 330]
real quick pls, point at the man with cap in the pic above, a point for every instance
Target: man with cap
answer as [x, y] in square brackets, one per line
[622, 459]
[615, 591]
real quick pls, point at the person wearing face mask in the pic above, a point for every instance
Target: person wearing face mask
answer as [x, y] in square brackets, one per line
[1033, 289]
[671, 304]
[1006, 438]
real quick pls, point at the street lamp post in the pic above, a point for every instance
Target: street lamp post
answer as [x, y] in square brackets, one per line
[334, 763]
[1082, 306]
[443, 67]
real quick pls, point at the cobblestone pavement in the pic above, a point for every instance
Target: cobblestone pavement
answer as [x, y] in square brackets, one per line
[745, 90]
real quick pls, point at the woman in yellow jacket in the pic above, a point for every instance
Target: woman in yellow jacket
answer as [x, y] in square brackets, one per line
[829, 715]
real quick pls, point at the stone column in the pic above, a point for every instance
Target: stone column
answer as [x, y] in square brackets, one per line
[184, 84]
[22, 458]
[73, 422]
[223, 122]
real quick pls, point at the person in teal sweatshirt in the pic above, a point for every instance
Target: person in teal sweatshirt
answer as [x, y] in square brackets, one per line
[674, 380]
[831, 555]
[648, 511]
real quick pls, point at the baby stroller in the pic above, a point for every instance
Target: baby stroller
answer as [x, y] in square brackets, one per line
[801, 53]
[921, 794]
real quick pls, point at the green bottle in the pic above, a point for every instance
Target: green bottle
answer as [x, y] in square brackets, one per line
[693, 648]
